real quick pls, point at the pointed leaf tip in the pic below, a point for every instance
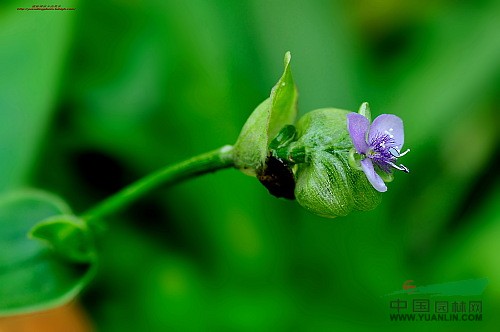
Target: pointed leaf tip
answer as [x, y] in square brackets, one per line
[288, 58]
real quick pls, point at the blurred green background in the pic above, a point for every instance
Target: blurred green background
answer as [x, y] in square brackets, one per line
[92, 99]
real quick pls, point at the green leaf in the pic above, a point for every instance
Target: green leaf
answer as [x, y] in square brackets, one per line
[68, 235]
[30, 73]
[32, 276]
[279, 110]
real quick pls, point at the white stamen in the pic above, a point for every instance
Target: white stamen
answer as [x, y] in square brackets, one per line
[399, 167]
[402, 154]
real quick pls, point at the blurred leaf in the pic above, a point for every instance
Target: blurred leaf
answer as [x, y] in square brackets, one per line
[32, 277]
[31, 59]
[251, 148]
[68, 235]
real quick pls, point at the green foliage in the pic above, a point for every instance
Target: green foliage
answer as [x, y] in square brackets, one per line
[149, 83]
[30, 73]
[33, 277]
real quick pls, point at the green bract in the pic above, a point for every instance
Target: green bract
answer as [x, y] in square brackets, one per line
[326, 184]
[251, 148]
[68, 235]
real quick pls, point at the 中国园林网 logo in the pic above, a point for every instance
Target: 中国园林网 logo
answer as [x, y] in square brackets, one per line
[452, 301]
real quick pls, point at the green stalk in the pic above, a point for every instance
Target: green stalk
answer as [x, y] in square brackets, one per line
[202, 164]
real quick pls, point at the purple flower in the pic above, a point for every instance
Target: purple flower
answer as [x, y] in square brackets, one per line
[379, 145]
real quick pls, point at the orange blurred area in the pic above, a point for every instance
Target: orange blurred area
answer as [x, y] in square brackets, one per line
[70, 317]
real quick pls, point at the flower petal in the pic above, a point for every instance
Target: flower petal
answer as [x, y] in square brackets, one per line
[358, 126]
[390, 125]
[373, 177]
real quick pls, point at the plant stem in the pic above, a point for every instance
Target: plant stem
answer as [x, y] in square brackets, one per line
[202, 164]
